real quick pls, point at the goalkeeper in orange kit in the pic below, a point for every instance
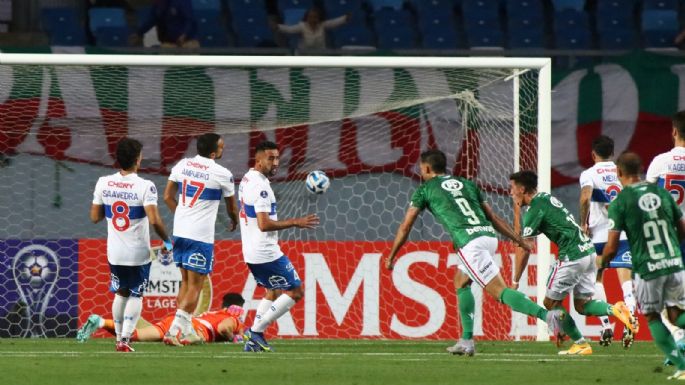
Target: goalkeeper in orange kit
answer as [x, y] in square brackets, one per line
[220, 325]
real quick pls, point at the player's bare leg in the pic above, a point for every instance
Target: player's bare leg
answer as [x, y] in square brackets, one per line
[466, 302]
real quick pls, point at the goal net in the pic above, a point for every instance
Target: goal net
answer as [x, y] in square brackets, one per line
[364, 121]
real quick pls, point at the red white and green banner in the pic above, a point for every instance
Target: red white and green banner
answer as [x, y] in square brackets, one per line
[629, 98]
[79, 114]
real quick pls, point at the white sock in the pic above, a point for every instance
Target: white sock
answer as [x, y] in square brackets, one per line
[118, 306]
[628, 296]
[601, 295]
[280, 306]
[263, 307]
[134, 306]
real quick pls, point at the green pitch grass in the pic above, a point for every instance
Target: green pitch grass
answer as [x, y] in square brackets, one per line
[316, 362]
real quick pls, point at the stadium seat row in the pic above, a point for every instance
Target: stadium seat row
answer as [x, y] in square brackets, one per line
[394, 24]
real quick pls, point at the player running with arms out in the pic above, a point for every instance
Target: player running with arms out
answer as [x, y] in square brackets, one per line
[599, 185]
[667, 170]
[222, 325]
[458, 205]
[654, 224]
[575, 270]
[193, 193]
[129, 203]
[259, 225]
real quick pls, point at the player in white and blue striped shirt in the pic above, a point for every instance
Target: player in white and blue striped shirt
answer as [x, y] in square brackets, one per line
[129, 203]
[193, 193]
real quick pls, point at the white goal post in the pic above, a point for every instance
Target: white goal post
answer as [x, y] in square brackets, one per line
[516, 65]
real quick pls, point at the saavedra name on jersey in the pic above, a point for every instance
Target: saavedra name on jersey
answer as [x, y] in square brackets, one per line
[123, 195]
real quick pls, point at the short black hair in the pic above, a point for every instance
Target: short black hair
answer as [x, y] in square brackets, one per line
[678, 121]
[232, 299]
[436, 159]
[526, 178]
[265, 145]
[603, 146]
[629, 163]
[207, 144]
[128, 151]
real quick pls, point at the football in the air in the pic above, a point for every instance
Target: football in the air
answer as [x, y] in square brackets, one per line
[317, 182]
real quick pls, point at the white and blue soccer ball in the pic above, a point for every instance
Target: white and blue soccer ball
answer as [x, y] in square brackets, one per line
[317, 182]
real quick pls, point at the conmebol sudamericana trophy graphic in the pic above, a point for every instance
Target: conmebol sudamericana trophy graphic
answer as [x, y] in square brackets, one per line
[35, 269]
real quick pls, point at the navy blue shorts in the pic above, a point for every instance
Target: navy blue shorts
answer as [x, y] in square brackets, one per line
[622, 258]
[276, 275]
[133, 278]
[194, 255]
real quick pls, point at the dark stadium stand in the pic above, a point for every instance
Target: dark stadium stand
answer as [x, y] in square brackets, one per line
[405, 24]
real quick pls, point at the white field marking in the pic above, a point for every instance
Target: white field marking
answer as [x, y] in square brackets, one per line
[245, 356]
[320, 355]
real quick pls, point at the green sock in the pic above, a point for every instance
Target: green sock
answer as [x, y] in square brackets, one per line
[680, 321]
[664, 341]
[569, 326]
[598, 308]
[522, 304]
[467, 306]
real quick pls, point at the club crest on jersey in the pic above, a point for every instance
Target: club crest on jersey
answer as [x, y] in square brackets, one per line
[649, 202]
[527, 232]
[452, 185]
[264, 194]
[555, 202]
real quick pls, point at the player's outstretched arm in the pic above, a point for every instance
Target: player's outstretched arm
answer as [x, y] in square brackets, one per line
[402, 234]
[503, 227]
[267, 224]
[227, 328]
[585, 195]
[157, 223]
[97, 213]
[170, 194]
[610, 249]
[232, 211]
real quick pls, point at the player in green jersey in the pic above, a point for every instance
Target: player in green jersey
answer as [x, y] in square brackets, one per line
[458, 205]
[574, 271]
[654, 224]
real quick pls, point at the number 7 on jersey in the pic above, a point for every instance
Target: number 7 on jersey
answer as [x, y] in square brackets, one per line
[199, 187]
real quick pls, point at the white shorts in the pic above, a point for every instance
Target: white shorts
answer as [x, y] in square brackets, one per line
[667, 290]
[476, 260]
[578, 276]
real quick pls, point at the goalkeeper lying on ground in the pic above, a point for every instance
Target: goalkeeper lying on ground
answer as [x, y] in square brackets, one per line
[212, 326]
